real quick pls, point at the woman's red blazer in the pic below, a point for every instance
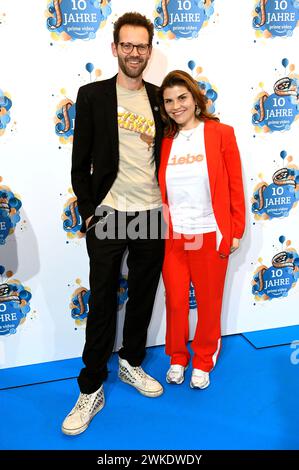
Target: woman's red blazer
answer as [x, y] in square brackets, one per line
[225, 175]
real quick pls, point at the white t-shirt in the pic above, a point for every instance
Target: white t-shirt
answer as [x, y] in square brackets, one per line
[187, 183]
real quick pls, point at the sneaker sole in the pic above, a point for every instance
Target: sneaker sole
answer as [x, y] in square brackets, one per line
[75, 432]
[143, 392]
[175, 382]
[199, 388]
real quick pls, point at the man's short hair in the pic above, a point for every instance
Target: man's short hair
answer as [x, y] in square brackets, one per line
[133, 19]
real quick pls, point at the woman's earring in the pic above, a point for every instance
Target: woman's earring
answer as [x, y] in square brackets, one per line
[197, 110]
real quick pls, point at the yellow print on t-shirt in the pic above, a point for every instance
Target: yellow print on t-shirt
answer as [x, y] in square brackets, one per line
[185, 159]
[137, 123]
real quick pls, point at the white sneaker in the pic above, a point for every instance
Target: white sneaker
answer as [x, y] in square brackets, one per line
[175, 374]
[136, 377]
[87, 406]
[199, 379]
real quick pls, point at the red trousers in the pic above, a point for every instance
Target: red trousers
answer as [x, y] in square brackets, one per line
[206, 269]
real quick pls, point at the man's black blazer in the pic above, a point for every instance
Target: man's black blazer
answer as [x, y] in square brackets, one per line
[95, 156]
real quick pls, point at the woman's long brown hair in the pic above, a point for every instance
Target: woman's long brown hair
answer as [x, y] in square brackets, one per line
[179, 77]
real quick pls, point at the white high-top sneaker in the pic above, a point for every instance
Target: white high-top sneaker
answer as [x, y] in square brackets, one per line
[199, 379]
[136, 377]
[87, 406]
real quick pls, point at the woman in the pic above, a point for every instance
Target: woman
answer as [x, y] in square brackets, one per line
[201, 184]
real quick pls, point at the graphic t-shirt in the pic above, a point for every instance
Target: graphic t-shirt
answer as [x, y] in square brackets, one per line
[187, 182]
[136, 186]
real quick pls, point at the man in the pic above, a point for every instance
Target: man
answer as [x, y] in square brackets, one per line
[115, 160]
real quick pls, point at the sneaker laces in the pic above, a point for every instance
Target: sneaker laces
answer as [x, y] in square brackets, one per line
[85, 404]
[140, 372]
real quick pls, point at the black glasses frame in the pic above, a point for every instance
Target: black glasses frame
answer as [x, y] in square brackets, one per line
[130, 47]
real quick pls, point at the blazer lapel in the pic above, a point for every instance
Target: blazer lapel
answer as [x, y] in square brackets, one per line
[153, 99]
[212, 151]
[111, 113]
[165, 152]
[151, 91]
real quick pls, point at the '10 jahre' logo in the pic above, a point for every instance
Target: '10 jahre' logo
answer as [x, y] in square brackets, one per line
[66, 110]
[80, 300]
[182, 18]
[79, 305]
[276, 281]
[277, 111]
[14, 303]
[10, 206]
[76, 19]
[72, 221]
[65, 120]
[275, 17]
[279, 197]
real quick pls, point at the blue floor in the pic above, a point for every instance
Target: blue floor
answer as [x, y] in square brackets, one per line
[273, 336]
[252, 403]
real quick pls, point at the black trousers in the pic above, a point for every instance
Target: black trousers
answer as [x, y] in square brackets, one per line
[145, 256]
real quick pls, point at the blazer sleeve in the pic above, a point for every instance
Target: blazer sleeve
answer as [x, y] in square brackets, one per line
[81, 155]
[233, 166]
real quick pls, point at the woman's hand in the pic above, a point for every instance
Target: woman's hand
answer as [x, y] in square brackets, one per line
[235, 244]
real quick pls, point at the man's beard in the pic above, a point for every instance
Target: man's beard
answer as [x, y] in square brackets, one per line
[129, 72]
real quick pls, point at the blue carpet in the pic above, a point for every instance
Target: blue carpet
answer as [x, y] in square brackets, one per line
[252, 403]
[273, 336]
[39, 373]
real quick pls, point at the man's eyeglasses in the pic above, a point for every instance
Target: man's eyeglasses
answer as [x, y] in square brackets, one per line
[127, 47]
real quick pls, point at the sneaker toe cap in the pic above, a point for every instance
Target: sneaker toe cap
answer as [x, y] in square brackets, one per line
[153, 385]
[73, 422]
